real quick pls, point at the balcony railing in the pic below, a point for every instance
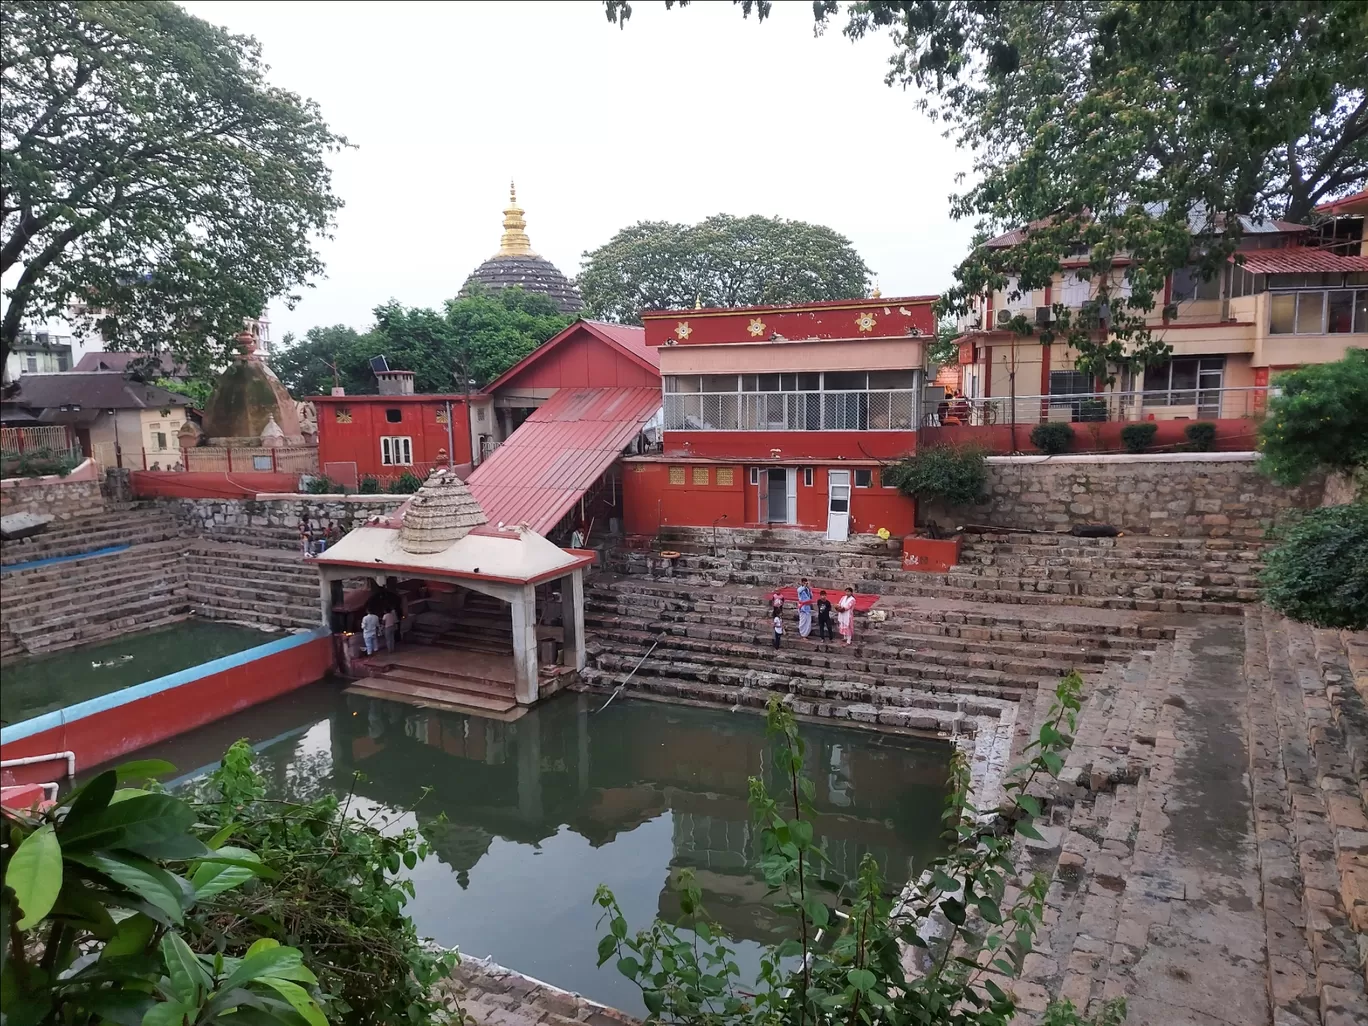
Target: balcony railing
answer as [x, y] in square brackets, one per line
[1102, 407]
[891, 410]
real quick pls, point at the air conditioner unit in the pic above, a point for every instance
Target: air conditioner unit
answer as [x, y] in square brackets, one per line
[1004, 318]
[1044, 315]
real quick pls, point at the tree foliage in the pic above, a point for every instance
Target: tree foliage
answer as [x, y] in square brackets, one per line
[1317, 420]
[1115, 127]
[970, 920]
[722, 261]
[476, 337]
[957, 477]
[1318, 571]
[152, 175]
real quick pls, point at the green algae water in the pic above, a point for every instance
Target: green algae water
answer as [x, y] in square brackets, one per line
[527, 818]
[41, 683]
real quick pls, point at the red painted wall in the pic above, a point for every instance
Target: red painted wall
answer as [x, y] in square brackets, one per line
[581, 362]
[208, 484]
[891, 318]
[359, 441]
[651, 502]
[1234, 435]
[115, 732]
[797, 445]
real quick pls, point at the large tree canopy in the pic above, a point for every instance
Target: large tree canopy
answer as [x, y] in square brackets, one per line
[152, 175]
[477, 338]
[723, 261]
[1127, 126]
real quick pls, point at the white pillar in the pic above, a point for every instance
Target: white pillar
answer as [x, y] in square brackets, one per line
[572, 618]
[325, 596]
[524, 607]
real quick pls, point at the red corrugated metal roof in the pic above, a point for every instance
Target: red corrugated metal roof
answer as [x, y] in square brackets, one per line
[540, 472]
[1355, 203]
[631, 338]
[1302, 260]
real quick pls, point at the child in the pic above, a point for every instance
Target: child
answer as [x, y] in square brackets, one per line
[778, 630]
[825, 632]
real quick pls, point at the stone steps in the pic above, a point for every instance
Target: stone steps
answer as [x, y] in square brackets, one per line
[59, 609]
[92, 571]
[107, 631]
[166, 605]
[79, 537]
[201, 585]
[263, 537]
[285, 617]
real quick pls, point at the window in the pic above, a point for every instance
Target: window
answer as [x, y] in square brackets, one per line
[676, 475]
[159, 440]
[810, 401]
[32, 362]
[1189, 284]
[396, 451]
[442, 415]
[1177, 382]
[1073, 291]
[700, 475]
[394, 415]
[725, 477]
[1067, 383]
[261, 463]
[807, 477]
[1334, 311]
[342, 415]
[864, 477]
[755, 475]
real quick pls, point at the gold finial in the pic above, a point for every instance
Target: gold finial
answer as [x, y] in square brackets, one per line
[877, 293]
[698, 301]
[515, 241]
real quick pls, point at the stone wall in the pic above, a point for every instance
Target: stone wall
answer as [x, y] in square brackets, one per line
[66, 498]
[1178, 495]
[277, 519]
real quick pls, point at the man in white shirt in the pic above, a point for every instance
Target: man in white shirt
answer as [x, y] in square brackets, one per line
[370, 627]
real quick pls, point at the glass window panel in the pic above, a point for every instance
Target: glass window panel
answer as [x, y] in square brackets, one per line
[748, 383]
[1310, 313]
[837, 381]
[1361, 311]
[719, 382]
[1184, 373]
[1340, 312]
[671, 383]
[893, 379]
[1282, 313]
[767, 382]
[788, 382]
[864, 477]
[809, 382]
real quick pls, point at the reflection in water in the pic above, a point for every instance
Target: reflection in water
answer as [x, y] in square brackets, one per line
[527, 818]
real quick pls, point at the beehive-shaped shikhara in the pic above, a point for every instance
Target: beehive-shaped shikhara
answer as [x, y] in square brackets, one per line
[441, 514]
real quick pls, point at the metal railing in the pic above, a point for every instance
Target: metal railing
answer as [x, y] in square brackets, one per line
[279, 460]
[1102, 407]
[14, 441]
[878, 410]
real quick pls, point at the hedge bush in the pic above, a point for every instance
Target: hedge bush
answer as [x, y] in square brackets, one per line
[1138, 437]
[1052, 438]
[957, 477]
[1318, 571]
[1201, 436]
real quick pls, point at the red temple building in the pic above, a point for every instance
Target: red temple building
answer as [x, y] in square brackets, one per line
[783, 416]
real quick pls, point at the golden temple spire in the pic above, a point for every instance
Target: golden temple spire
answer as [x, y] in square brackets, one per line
[515, 241]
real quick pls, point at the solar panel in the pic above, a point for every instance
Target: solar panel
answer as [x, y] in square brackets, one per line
[378, 365]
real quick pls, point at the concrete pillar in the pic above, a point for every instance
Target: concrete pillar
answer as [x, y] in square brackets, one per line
[572, 618]
[524, 606]
[325, 597]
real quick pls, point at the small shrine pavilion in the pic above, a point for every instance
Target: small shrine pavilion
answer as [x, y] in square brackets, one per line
[492, 615]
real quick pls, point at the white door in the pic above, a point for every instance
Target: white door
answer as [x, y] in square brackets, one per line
[791, 494]
[838, 505]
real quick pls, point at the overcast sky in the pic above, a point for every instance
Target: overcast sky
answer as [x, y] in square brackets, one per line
[681, 115]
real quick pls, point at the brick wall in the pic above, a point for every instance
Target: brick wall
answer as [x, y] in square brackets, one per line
[1187, 495]
[65, 498]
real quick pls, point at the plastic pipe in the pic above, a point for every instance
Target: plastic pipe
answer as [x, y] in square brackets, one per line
[33, 760]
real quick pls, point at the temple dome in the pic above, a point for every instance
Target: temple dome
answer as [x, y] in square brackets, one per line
[516, 263]
[247, 398]
[441, 514]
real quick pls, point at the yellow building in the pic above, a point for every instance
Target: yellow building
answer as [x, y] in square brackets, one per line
[1292, 295]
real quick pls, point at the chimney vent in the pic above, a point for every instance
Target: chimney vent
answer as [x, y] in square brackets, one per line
[395, 382]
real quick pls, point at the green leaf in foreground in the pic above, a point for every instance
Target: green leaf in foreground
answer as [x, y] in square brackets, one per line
[35, 874]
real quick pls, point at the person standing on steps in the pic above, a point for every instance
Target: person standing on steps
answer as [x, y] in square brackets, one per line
[804, 608]
[778, 630]
[776, 604]
[370, 627]
[845, 621]
[391, 625]
[824, 631]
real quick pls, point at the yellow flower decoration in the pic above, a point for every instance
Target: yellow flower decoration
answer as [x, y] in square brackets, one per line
[885, 533]
[683, 331]
[756, 327]
[865, 322]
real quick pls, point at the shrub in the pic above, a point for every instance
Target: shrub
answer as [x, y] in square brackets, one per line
[957, 477]
[1138, 437]
[1201, 436]
[322, 485]
[107, 852]
[1092, 410]
[956, 919]
[368, 486]
[1052, 438]
[1318, 571]
[1319, 418]
[405, 484]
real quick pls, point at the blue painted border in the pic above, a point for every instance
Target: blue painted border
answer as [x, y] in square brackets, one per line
[107, 551]
[101, 703]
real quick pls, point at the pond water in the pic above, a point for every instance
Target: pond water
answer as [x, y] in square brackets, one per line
[527, 818]
[41, 683]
